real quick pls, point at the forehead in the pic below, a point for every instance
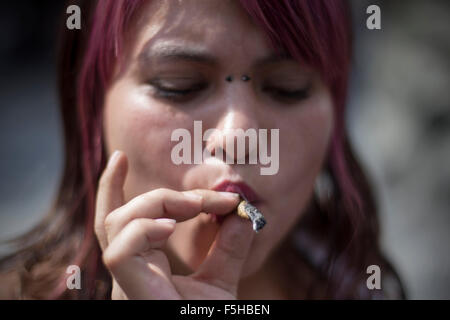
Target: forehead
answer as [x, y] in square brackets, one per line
[221, 27]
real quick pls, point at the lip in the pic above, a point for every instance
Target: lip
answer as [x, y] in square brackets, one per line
[239, 187]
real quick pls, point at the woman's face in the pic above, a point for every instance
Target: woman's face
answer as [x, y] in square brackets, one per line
[179, 54]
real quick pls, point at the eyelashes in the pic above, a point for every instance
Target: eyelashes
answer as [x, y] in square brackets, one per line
[288, 95]
[175, 94]
[184, 93]
[164, 89]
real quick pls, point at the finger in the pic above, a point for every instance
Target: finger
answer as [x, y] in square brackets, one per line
[223, 265]
[216, 202]
[110, 193]
[136, 262]
[166, 203]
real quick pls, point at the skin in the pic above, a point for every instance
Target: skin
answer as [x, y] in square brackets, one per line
[151, 257]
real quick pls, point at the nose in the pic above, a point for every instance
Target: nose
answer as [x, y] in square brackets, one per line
[235, 136]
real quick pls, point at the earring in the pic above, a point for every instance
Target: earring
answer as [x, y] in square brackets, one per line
[229, 79]
[324, 187]
[245, 78]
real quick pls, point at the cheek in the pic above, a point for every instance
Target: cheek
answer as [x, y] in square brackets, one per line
[304, 138]
[142, 129]
[302, 152]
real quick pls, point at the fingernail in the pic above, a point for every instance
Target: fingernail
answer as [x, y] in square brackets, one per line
[166, 221]
[230, 195]
[193, 195]
[113, 158]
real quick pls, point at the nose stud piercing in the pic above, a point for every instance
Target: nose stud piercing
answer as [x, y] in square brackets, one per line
[244, 78]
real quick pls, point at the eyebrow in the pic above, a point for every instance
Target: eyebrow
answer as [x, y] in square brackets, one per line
[171, 52]
[193, 53]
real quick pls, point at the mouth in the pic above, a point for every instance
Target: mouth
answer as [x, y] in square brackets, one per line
[243, 189]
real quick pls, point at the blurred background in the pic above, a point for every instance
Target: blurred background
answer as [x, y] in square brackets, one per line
[398, 119]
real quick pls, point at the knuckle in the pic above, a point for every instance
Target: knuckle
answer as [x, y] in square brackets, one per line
[201, 192]
[109, 221]
[157, 196]
[111, 259]
[137, 225]
[137, 201]
[160, 191]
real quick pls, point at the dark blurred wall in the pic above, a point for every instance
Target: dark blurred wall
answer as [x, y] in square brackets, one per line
[30, 139]
[399, 119]
[28, 30]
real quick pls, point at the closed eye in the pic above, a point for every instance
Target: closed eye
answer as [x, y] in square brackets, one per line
[176, 93]
[288, 95]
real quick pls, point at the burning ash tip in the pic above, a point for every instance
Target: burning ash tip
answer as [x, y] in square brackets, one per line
[248, 211]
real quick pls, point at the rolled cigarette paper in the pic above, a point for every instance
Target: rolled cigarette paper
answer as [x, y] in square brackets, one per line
[247, 211]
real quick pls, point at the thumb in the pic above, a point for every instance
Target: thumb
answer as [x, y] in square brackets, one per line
[229, 251]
